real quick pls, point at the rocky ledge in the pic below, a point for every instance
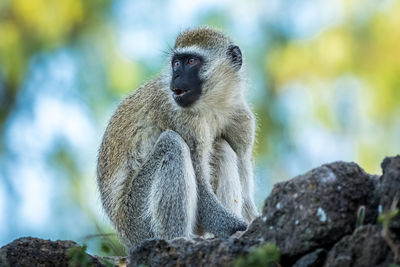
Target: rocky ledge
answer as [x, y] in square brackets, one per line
[334, 215]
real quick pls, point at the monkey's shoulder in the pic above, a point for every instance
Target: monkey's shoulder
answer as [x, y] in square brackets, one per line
[149, 95]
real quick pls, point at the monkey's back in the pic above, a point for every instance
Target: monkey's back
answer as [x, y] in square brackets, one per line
[129, 137]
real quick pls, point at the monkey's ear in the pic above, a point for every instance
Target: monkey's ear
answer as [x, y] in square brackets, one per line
[235, 56]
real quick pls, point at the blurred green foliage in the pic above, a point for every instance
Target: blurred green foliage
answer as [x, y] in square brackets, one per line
[31, 27]
[367, 49]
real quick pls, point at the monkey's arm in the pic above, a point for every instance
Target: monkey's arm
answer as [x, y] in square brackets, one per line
[212, 215]
[240, 136]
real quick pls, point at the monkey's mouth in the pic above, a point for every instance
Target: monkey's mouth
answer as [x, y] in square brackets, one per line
[185, 97]
[179, 92]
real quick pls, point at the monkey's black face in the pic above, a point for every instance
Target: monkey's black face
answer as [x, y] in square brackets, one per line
[186, 84]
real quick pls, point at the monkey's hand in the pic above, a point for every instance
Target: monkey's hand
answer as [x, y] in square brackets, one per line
[226, 225]
[237, 226]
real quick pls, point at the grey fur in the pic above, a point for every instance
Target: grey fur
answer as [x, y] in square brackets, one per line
[164, 171]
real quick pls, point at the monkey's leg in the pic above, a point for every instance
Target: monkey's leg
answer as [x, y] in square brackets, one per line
[225, 176]
[165, 192]
[242, 143]
[212, 215]
[173, 196]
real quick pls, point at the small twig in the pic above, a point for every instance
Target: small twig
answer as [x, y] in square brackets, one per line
[391, 244]
[393, 211]
[88, 237]
[110, 242]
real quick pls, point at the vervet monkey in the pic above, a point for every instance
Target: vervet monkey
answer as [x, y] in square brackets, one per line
[176, 157]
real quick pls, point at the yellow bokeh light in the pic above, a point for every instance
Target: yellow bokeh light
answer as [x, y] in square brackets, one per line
[50, 20]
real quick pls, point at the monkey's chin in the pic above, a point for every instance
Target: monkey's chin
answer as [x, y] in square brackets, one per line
[185, 99]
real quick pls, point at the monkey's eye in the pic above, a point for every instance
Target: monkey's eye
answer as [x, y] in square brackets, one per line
[176, 64]
[192, 61]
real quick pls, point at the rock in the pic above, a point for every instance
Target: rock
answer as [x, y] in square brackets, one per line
[313, 259]
[365, 247]
[315, 209]
[28, 251]
[389, 187]
[182, 252]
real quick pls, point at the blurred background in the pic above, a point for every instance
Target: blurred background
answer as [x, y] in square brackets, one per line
[324, 82]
